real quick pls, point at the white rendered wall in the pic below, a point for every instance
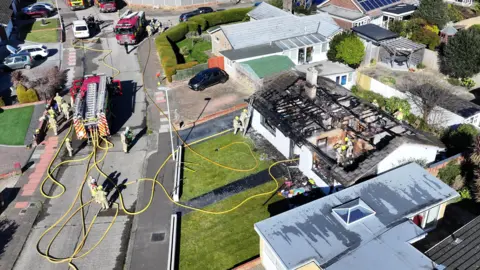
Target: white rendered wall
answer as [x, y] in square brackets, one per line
[279, 141]
[408, 152]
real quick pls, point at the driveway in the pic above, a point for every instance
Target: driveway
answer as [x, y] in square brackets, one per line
[189, 105]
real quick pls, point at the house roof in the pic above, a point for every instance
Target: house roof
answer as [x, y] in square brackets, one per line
[265, 11]
[243, 35]
[341, 12]
[371, 5]
[5, 11]
[399, 9]
[267, 66]
[327, 68]
[300, 41]
[253, 51]
[285, 105]
[449, 30]
[460, 249]
[374, 32]
[460, 106]
[313, 231]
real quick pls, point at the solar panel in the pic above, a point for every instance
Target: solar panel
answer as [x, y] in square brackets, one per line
[384, 2]
[364, 5]
[374, 4]
[370, 5]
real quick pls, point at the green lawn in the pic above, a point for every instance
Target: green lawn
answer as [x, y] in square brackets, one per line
[222, 241]
[43, 34]
[14, 124]
[197, 49]
[205, 176]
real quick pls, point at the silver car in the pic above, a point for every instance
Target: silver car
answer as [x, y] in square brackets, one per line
[17, 61]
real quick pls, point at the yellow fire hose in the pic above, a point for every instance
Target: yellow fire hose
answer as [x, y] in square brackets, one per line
[96, 144]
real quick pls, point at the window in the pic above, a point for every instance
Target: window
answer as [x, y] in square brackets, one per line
[350, 77]
[337, 79]
[229, 62]
[353, 211]
[266, 124]
[324, 47]
[344, 80]
[217, 40]
[428, 219]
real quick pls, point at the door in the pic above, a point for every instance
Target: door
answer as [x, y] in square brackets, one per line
[11, 49]
[344, 79]
[18, 62]
[432, 215]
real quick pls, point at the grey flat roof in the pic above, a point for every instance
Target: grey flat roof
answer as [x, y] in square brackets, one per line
[460, 249]
[374, 32]
[460, 106]
[300, 41]
[326, 68]
[312, 231]
[242, 35]
[345, 13]
[449, 30]
[400, 9]
[265, 11]
[253, 51]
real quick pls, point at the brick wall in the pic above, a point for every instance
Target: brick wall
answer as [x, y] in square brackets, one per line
[434, 168]
[343, 24]
[345, 4]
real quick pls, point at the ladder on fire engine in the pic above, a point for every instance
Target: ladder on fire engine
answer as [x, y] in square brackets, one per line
[102, 89]
[128, 14]
[91, 101]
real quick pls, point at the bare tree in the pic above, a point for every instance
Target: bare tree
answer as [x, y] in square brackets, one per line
[50, 83]
[17, 77]
[426, 95]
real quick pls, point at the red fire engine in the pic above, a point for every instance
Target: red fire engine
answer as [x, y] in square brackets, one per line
[131, 27]
[92, 96]
[106, 5]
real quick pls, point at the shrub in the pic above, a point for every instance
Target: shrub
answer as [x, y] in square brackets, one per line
[420, 66]
[31, 95]
[221, 17]
[458, 183]
[433, 11]
[2, 103]
[467, 82]
[369, 96]
[427, 37]
[449, 173]
[454, 14]
[454, 81]
[432, 28]
[459, 139]
[22, 94]
[465, 194]
[394, 104]
[332, 51]
[350, 51]
[388, 80]
[184, 50]
[373, 62]
[186, 65]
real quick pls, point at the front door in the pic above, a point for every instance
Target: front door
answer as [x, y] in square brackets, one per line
[301, 56]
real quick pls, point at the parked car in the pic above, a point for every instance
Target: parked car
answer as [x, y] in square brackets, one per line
[203, 10]
[37, 11]
[256, 4]
[42, 4]
[207, 78]
[80, 29]
[17, 61]
[35, 51]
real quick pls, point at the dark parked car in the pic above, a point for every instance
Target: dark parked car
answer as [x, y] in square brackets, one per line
[37, 11]
[203, 10]
[207, 78]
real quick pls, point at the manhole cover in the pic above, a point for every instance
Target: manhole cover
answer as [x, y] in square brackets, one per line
[158, 237]
[23, 211]
[31, 205]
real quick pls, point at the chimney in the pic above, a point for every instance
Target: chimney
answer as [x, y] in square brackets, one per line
[311, 86]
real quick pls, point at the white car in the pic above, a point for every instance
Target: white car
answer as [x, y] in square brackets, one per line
[80, 29]
[35, 51]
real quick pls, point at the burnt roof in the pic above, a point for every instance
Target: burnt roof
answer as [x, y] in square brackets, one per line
[284, 103]
[460, 249]
[5, 11]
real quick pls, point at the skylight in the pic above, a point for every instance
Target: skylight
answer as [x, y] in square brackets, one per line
[353, 211]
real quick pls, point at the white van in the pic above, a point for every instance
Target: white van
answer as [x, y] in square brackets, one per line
[80, 29]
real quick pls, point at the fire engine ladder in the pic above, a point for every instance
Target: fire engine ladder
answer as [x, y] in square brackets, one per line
[90, 115]
[79, 106]
[102, 92]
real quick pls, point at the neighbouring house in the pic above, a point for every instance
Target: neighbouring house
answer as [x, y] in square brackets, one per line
[311, 117]
[400, 12]
[371, 225]
[452, 111]
[266, 11]
[388, 48]
[352, 13]
[8, 8]
[448, 31]
[302, 39]
[463, 3]
[460, 249]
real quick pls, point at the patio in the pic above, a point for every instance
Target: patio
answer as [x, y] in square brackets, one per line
[400, 53]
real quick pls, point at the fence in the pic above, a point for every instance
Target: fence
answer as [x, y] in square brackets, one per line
[430, 60]
[189, 72]
[172, 247]
[216, 62]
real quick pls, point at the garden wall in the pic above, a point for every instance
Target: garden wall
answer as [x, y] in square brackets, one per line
[435, 167]
[189, 72]
[430, 60]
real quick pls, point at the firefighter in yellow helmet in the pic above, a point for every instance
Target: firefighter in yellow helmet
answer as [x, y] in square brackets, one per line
[237, 125]
[244, 118]
[66, 110]
[399, 114]
[69, 147]
[101, 198]
[52, 123]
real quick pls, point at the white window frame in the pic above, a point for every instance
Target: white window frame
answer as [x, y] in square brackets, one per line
[228, 62]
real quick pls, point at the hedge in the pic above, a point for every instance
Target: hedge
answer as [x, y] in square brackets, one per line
[22, 94]
[168, 58]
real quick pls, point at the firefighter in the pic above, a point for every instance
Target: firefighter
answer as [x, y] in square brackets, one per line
[36, 136]
[349, 143]
[101, 198]
[375, 103]
[52, 123]
[399, 114]
[126, 47]
[66, 110]
[69, 147]
[93, 187]
[123, 139]
[51, 112]
[128, 136]
[149, 30]
[237, 125]
[244, 119]
[340, 155]
[59, 100]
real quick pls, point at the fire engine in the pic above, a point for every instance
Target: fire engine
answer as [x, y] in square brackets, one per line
[131, 27]
[76, 4]
[106, 5]
[92, 96]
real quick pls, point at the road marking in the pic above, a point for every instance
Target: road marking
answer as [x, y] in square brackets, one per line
[163, 119]
[163, 129]
[71, 49]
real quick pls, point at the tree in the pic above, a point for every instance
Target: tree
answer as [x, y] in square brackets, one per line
[22, 94]
[475, 160]
[398, 27]
[460, 139]
[50, 83]
[17, 77]
[426, 94]
[454, 14]
[461, 55]
[351, 51]
[332, 51]
[427, 37]
[433, 11]
[31, 95]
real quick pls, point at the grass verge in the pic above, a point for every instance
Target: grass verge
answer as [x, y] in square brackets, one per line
[42, 34]
[196, 48]
[201, 176]
[222, 241]
[14, 125]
